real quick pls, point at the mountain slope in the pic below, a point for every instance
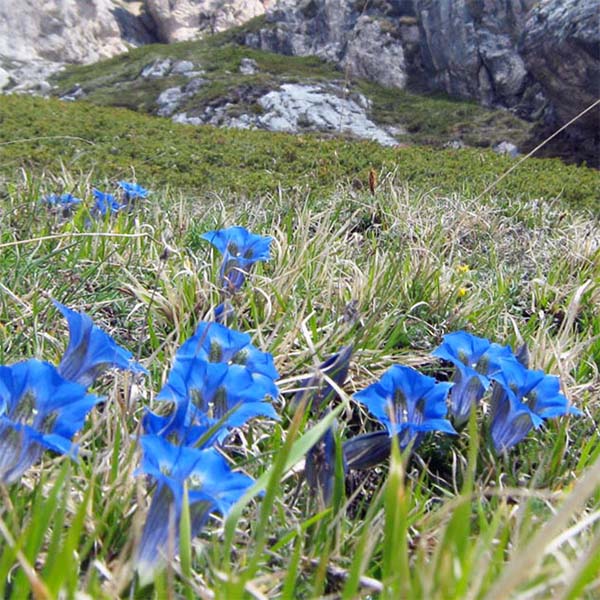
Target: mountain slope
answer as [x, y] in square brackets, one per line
[53, 137]
[216, 81]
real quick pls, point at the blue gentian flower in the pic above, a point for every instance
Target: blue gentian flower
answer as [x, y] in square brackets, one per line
[521, 400]
[106, 203]
[214, 342]
[240, 250]
[39, 410]
[91, 351]
[63, 202]
[408, 404]
[475, 360]
[316, 389]
[367, 450]
[132, 191]
[211, 487]
[204, 394]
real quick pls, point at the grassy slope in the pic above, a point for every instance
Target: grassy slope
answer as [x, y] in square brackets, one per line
[398, 259]
[427, 119]
[47, 136]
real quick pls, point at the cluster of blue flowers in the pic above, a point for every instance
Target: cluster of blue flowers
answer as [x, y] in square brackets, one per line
[104, 202]
[219, 380]
[410, 404]
[521, 399]
[42, 406]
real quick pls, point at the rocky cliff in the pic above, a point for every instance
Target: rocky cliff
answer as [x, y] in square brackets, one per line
[37, 39]
[538, 59]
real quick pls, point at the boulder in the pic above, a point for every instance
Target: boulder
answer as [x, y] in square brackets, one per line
[296, 107]
[248, 66]
[157, 69]
[169, 100]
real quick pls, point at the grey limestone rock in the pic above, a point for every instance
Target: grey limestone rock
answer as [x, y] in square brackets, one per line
[182, 67]
[561, 49]
[507, 148]
[179, 20]
[248, 66]
[157, 69]
[169, 100]
[373, 53]
[363, 45]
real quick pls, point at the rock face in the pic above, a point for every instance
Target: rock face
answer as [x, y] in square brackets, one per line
[561, 49]
[373, 53]
[36, 40]
[179, 20]
[471, 48]
[363, 43]
[67, 31]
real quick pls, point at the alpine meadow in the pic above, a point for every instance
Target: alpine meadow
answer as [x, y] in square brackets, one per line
[245, 364]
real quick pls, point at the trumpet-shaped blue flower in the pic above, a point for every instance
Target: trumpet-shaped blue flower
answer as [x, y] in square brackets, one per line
[39, 410]
[211, 487]
[522, 399]
[90, 350]
[475, 360]
[320, 465]
[105, 203]
[367, 450]
[133, 191]
[64, 202]
[205, 394]
[240, 250]
[408, 404]
[216, 343]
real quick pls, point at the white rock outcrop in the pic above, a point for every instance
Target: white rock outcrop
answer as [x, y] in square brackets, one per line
[294, 108]
[39, 37]
[180, 20]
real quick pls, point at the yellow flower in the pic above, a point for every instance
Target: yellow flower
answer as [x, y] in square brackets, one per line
[462, 269]
[462, 291]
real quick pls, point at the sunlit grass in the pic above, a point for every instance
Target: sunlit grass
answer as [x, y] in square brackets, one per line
[390, 274]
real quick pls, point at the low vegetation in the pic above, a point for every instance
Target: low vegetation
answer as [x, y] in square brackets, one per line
[104, 144]
[387, 250]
